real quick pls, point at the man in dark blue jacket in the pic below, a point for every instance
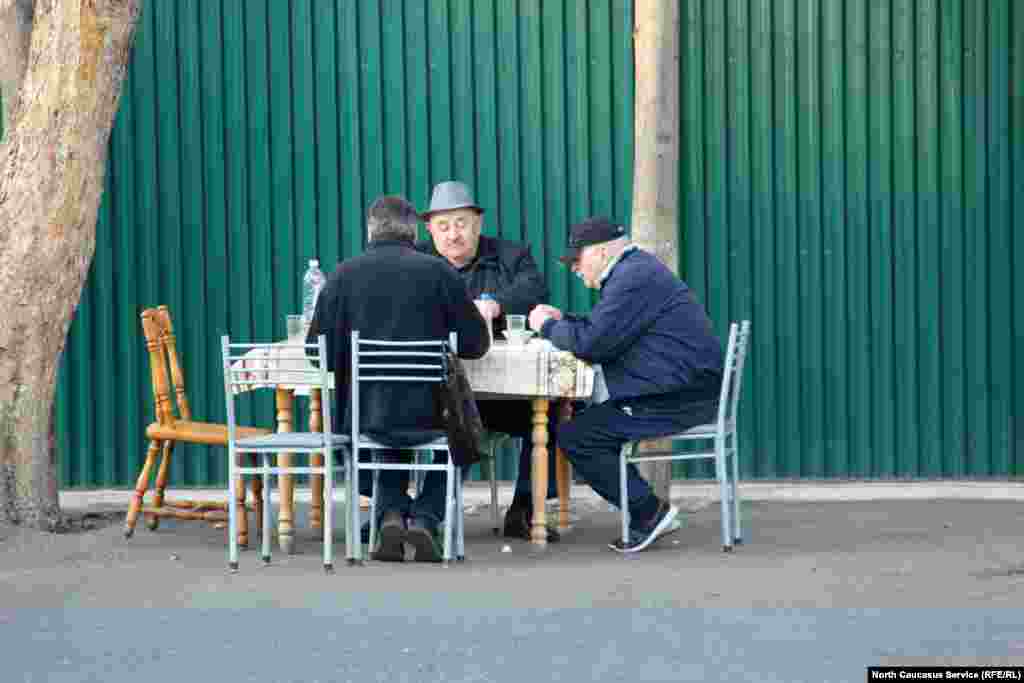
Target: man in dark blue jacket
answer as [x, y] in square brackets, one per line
[661, 364]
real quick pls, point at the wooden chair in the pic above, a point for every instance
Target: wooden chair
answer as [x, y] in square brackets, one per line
[171, 427]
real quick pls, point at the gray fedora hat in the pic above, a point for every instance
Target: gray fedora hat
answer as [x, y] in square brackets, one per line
[449, 195]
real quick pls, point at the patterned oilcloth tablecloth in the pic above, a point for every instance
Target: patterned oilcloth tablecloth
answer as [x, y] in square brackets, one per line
[274, 366]
[535, 369]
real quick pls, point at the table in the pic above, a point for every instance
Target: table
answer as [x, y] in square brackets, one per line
[536, 371]
[540, 373]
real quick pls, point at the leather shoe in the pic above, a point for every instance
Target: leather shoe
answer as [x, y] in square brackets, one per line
[392, 537]
[423, 537]
[517, 525]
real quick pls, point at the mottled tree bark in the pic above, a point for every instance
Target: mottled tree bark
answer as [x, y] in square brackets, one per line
[656, 161]
[52, 166]
[15, 40]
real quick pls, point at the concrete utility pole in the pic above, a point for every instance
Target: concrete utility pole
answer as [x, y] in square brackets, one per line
[656, 164]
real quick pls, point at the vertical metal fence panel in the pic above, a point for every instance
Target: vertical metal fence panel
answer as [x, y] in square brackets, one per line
[1016, 141]
[883, 167]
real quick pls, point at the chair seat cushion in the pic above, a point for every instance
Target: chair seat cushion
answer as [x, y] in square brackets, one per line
[199, 432]
[407, 438]
[285, 440]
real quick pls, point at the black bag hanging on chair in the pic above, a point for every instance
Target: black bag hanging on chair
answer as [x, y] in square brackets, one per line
[461, 415]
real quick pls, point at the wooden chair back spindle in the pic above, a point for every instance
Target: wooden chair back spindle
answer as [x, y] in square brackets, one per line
[177, 375]
[153, 329]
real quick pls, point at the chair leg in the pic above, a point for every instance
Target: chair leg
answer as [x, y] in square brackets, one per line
[449, 509]
[627, 451]
[141, 484]
[233, 482]
[354, 542]
[460, 518]
[723, 492]
[327, 508]
[153, 521]
[262, 503]
[737, 535]
[257, 498]
[242, 524]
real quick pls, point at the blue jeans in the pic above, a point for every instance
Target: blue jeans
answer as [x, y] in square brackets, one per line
[393, 487]
[593, 441]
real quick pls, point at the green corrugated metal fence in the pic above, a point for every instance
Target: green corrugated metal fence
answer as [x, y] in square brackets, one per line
[851, 178]
[854, 174]
[253, 134]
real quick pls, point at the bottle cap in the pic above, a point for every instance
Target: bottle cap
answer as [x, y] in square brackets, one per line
[314, 263]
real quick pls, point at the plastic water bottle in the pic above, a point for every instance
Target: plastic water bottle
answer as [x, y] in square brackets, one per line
[487, 296]
[312, 282]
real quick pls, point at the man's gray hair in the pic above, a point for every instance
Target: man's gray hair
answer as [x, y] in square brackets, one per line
[391, 217]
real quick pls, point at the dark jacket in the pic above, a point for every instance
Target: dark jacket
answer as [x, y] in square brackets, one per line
[393, 292]
[649, 334]
[504, 269]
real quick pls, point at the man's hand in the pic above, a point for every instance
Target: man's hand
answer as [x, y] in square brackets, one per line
[540, 314]
[489, 308]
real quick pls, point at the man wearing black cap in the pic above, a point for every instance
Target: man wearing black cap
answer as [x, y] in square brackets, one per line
[661, 364]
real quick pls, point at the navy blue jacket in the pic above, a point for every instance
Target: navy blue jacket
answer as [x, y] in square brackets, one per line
[647, 331]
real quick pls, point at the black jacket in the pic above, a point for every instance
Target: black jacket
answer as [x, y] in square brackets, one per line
[651, 337]
[504, 269]
[393, 292]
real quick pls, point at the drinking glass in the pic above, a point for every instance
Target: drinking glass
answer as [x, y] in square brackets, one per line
[296, 327]
[516, 323]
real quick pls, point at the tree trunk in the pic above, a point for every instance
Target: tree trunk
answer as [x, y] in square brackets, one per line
[15, 40]
[656, 162]
[52, 166]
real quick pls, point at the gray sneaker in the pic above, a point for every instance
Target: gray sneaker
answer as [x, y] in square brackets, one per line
[663, 524]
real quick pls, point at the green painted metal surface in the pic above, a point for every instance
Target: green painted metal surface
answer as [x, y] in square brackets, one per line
[851, 179]
[252, 136]
[852, 182]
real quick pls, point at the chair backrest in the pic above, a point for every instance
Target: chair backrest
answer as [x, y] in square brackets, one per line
[379, 360]
[165, 368]
[255, 366]
[732, 376]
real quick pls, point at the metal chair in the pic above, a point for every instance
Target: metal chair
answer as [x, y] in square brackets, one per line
[290, 366]
[722, 433]
[417, 362]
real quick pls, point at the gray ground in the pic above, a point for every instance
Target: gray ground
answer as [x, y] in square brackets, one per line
[818, 592]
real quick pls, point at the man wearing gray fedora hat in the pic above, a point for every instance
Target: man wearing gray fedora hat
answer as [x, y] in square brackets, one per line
[502, 278]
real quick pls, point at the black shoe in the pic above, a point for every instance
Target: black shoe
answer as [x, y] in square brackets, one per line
[392, 537]
[423, 536]
[643, 535]
[518, 521]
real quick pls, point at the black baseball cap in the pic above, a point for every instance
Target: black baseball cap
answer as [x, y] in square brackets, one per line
[593, 230]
